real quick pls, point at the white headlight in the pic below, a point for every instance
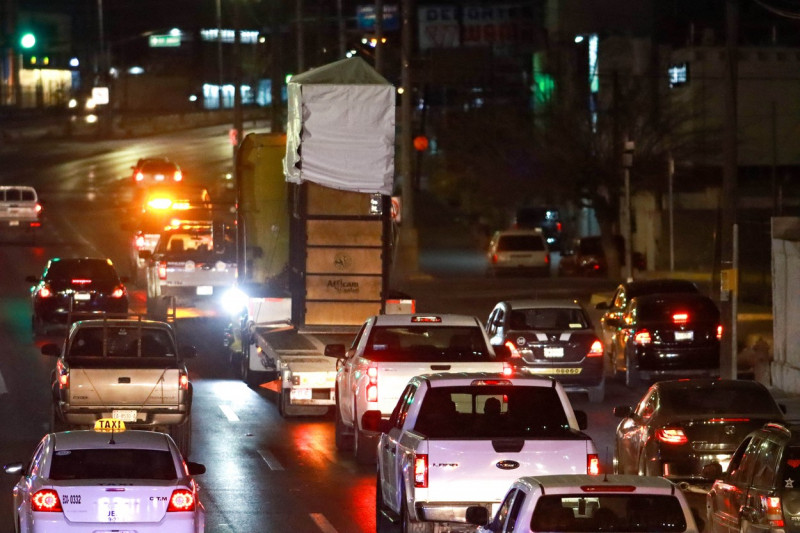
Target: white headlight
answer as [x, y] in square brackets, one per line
[234, 301]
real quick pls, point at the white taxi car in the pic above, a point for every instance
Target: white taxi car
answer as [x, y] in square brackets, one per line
[571, 503]
[107, 480]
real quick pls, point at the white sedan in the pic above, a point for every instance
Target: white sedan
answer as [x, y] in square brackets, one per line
[101, 481]
[589, 504]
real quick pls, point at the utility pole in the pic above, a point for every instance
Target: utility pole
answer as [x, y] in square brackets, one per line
[728, 270]
[627, 163]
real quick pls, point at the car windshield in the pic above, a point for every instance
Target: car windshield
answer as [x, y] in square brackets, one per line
[116, 341]
[719, 399]
[492, 411]
[617, 512]
[112, 464]
[95, 270]
[558, 318]
[520, 243]
[427, 343]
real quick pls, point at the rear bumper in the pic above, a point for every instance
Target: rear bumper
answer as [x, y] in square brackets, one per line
[172, 522]
[570, 375]
[657, 361]
[148, 419]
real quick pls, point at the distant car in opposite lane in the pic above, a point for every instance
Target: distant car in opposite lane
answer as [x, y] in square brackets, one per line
[680, 426]
[102, 481]
[518, 251]
[73, 287]
[553, 338]
[589, 504]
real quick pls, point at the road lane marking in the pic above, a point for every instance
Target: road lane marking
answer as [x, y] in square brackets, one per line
[270, 459]
[322, 523]
[229, 413]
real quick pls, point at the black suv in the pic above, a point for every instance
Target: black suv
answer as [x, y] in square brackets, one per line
[545, 217]
[757, 491]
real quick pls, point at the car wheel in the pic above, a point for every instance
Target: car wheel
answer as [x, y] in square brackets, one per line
[632, 379]
[598, 392]
[408, 524]
[344, 439]
[364, 448]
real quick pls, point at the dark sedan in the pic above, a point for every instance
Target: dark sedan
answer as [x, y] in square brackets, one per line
[667, 335]
[552, 338]
[74, 287]
[680, 426]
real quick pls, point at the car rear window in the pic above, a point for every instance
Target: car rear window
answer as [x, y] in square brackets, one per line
[617, 512]
[492, 411]
[698, 309]
[158, 167]
[113, 464]
[127, 342]
[18, 195]
[721, 399]
[93, 270]
[427, 343]
[558, 318]
[520, 243]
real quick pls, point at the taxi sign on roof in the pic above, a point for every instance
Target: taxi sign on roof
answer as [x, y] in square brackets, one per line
[109, 425]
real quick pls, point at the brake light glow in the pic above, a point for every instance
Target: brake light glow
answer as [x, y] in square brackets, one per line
[420, 318]
[159, 203]
[558, 227]
[80, 281]
[513, 349]
[421, 471]
[547, 259]
[139, 176]
[45, 292]
[680, 318]
[372, 386]
[671, 436]
[178, 175]
[38, 208]
[46, 501]
[63, 375]
[719, 332]
[494, 259]
[181, 500]
[479, 382]
[162, 270]
[727, 420]
[139, 241]
[774, 510]
[608, 488]
[593, 464]
[642, 337]
[596, 350]
[118, 292]
[183, 381]
[508, 370]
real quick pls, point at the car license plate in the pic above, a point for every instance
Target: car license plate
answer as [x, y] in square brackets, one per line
[124, 415]
[553, 352]
[205, 290]
[684, 335]
[13, 222]
[301, 394]
[82, 296]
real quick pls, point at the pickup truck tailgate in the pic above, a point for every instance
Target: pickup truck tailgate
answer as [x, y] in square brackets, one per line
[452, 461]
[127, 387]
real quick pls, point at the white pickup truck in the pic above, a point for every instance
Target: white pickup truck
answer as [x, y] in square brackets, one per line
[391, 349]
[460, 440]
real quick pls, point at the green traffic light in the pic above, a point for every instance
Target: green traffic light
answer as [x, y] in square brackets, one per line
[28, 40]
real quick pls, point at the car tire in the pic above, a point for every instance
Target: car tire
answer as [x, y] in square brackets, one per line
[632, 379]
[598, 392]
[343, 437]
[364, 448]
[408, 524]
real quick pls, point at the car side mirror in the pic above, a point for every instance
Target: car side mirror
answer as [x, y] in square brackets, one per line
[623, 411]
[15, 469]
[335, 350]
[603, 306]
[477, 515]
[372, 421]
[195, 469]
[711, 471]
[502, 352]
[187, 351]
[51, 349]
[583, 420]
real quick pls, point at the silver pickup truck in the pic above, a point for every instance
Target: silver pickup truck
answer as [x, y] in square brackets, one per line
[20, 209]
[130, 369]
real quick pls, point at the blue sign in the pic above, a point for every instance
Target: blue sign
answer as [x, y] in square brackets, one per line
[365, 16]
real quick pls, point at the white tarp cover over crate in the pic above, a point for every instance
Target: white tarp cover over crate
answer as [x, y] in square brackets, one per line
[341, 128]
[785, 366]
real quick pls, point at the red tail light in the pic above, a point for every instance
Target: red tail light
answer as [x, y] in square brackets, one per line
[183, 381]
[139, 241]
[421, 471]
[671, 436]
[38, 208]
[596, 350]
[62, 375]
[513, 349]
[372, 386]
[162, 270]
[558, 227]
[494, 259]
[593, 464]
[680, 318]
[139, 176]
[642, 337]
[547, 259]
[45, 292]
[46, 501]
[181, 500]
[774, 509]
[118, 292]
[719, 332]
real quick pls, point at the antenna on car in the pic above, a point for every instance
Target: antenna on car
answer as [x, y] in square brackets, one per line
[605, 473]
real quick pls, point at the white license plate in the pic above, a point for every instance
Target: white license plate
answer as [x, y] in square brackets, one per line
[124, 415]
[205, 290]
[13, 222]
[684, 335]
[301, 394]
[82, 296]
[553, 352]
